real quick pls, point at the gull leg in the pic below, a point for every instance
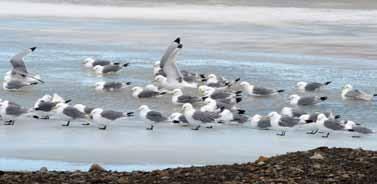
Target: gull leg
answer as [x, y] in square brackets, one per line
[356, 136]
[313, 132]
[327, 135]
[12, 121]
[103, 128]
[196, 128]
[150, 128]
[209, 127]
[85, 124]
[68, 122]
[281, 134]
[45, 117]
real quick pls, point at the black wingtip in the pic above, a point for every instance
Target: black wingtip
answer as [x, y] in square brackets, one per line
[238, 79]
[238, 100]
[116, 63]
[323, 98]
[176, 121]
[128, 83]
[67, 101]
[33, 83]
[177, 40]
[238, 92]
[180, 46]
[375, 94]
[327, 83]
[36, 117]
[337, 117]
[130, 114]
[203, 76]
[33, 48]
[241, 111]
[163, 93]
[204, 80]
[126, 64]
[309, 121]
[204, 98]
[281, 90]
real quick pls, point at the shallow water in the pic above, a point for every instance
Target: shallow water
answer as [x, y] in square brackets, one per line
[295, 44]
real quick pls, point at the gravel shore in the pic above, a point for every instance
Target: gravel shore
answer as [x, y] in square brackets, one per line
[320, 165]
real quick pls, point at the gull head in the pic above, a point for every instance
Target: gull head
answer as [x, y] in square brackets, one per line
[177, 92]
[321, 118]
[186, 107]
[160, 79]
[143, 108]
[347, 87]
[274, 115]
[294, 98]
[246, 85]
[99, 85]
[301, 85]
[88, 62]
[95, 112]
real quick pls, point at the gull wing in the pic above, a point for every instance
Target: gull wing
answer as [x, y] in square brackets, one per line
[168, 61]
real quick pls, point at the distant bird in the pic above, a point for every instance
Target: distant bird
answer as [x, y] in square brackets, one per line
[11, 111]
[170, 85]
[311, 86]
[348, 93]
[312, 118]
[198, 118]
[260, 122]
[15, 84]
[305, 100]
[218, 94]
[292, 112]
[111, 86]
[231, 117]
[211, 105]
[259, 91]
[351, 126]
[84, 109]
[19, 71]
[105, 117]
[91, 63]
[150, 117]
[139, 92]
[44, 106]
[69, 113]
[328, 125]
[220, 83]
[282, 123]
[178, 118]
[179, 98]
[109, 69]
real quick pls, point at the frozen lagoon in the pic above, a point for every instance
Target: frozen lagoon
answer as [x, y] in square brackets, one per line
[263, 50]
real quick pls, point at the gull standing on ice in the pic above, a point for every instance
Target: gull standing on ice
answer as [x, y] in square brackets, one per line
[105, 117]
[139, 92]
[11, 111]
[328, 125]
[260, 122]
[69, 113]
[197, 118]
[150, 117]
[179, 98]
[283, 123]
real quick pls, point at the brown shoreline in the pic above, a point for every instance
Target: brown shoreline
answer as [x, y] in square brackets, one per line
[321, 165]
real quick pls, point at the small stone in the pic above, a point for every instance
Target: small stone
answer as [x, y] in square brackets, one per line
[96, 168]
[262, 159]
[260, 163]
[43, 169]
[317, 166]
[317, 156]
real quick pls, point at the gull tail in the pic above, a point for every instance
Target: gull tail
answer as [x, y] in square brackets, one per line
[163, 93]
[128, 114]
[280, 90]
[238, 92]
[128, 83]
[177, 40]
[327, 83]
[323, 98]
[33, 48]
[126, 64]
[238, 100]
[375, 94]
[204, 98]
[241, 111]
[337, 116]
[203, 76]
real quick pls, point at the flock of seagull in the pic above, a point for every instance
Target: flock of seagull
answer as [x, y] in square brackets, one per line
[216, 103]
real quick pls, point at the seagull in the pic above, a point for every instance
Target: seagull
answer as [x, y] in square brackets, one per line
[84, 109]
[178, 118]
[305, 100]
[213, 81]
[111, 86]
[168, 62]
[218, 94]
[260, 122]
[43, 106]
[259, 91]
[231, 117]
[19, 71]
[351, 126]
[150, 117]
[197, 118]
[348, 93]
[10, 111]
[139, 92]
[292, 112]
[109, 69]
[327, 125]
[69, 113]
[15, 84]
[282, 123]
[105, 117]
[178, 98]
[91, 63]
[171, 85]
[311, 86]
[211, 105]
[189, 77]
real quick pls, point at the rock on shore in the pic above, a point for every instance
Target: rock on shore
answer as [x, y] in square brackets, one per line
[321, 165]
